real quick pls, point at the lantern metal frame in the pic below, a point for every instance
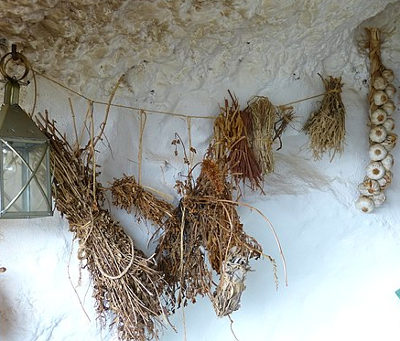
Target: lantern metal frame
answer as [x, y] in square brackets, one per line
[29, 149]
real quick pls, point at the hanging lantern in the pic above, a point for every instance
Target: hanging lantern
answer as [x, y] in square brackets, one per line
[25, 179]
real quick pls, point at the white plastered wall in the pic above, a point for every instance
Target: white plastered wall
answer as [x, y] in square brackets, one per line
[343, 266]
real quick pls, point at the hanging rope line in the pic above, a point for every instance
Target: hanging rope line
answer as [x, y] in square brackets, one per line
[109, 104]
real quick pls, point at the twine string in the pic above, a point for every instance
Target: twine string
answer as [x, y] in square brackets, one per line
[143, 118]
[109, 104]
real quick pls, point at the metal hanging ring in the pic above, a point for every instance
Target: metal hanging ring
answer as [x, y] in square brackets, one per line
[12, 55]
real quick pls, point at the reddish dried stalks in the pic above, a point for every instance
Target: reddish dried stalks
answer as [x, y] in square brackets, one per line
[231, 144]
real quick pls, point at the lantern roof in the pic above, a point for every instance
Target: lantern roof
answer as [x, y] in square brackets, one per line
[14, 121]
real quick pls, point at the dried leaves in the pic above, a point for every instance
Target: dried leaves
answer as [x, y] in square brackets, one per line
[226, 298]
[125, 282]
[326, 127]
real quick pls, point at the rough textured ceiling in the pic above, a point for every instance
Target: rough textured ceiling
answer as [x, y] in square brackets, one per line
[88, 44]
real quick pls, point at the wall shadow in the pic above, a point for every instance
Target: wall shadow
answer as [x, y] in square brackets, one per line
[7, 316]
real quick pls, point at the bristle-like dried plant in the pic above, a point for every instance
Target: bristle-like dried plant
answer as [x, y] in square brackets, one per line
[125, 282]
[130, 196]
[231, 144]
[268, 124]
[326, 127]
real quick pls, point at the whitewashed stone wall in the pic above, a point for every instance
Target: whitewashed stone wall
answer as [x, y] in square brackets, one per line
[182, 57]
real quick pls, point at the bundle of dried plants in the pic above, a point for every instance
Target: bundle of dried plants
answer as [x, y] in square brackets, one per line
[326, 127]
[197, 240]
[232, 128]
[126, 285]
[130, 196]
[268, 123]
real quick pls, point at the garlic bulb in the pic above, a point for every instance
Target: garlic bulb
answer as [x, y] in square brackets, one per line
[363, 190]
[380, 83]
[389, 124]
[379, 199]
[389, 107]
[375, 170]
[371, 186]
[377, 152]
[388, 162]
[390, 141]
[386, 180]
[380, 97]
[365, 204]
[390, 90]
[378, 116]
[388, 75]
[378, 134]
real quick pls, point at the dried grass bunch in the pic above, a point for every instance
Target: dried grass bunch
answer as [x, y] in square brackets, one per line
[130, 196]
[232, 129]
[326, 127]
[268, 122]
[196, 242]
[126, 285]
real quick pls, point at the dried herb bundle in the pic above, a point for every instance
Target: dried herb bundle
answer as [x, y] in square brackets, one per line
[231, 143]
[268, 123]
[125, 282]
[129, 195]
[196, 241]
[326, 127]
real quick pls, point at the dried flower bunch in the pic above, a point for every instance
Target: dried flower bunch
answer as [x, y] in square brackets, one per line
[382, 139]
[126, 283]
[326, 127]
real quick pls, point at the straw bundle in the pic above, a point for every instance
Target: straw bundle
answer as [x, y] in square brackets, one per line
[125, 282]
[204, 228]
[231, 130]
[268, 123]
[130, 196]
[326, 127]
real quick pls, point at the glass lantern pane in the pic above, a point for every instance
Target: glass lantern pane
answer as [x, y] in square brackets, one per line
[26, 188]
[37, 188]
